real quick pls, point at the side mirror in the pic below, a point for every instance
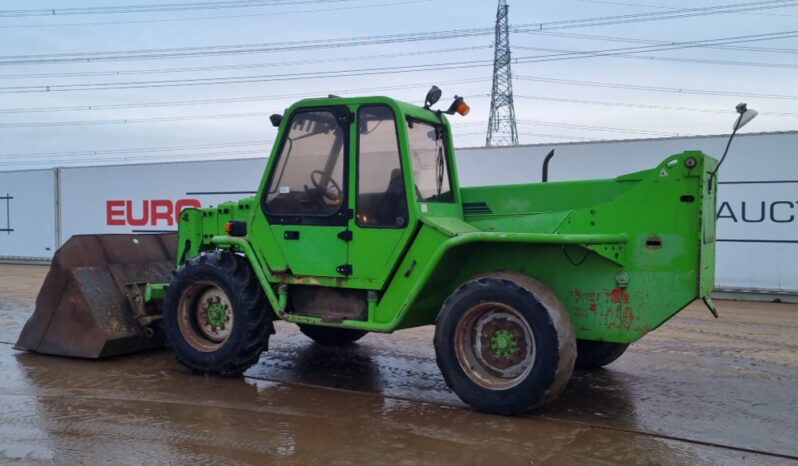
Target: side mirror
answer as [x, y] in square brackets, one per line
[746, 115]
[276, 119]
[433, 96]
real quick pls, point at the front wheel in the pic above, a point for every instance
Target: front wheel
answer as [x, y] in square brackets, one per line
[504, 343]
[331, 336]
[216, 317]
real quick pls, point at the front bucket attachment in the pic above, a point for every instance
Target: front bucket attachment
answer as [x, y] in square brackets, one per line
[92, 305]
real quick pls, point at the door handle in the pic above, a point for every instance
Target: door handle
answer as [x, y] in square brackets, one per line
[291, 235]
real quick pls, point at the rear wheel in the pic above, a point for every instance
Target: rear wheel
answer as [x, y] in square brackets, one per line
[505, 343]
[592, 355]
[331, 336]
[216, 317]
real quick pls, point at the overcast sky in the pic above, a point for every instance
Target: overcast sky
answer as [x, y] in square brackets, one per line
[554, 100]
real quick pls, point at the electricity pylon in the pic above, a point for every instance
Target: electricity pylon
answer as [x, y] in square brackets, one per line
[502, 130]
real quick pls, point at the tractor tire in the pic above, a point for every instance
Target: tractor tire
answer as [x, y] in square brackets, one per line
[216, 317]
[331, 336]
[504, 343]
[592, 355]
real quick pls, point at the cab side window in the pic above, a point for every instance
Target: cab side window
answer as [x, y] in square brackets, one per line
[308, 176]
[381, 199]
[430, 170]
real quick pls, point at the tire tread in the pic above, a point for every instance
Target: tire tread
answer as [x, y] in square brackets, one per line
[558, 323]
[251, 306]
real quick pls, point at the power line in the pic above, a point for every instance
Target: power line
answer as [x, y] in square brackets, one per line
[118, 121]
[402, 54]
[200, 156]
[645, 106]
[137, 150]
[42, 124]
[661, 42]
[216, 17]
[666, 15]
[534, 135]
[59, 158]
[365, 40]
[231, 99]
[420, 85]
[560, 136]
[674, 13]
[262, 152]
[470, 98]
[155, 8]
[638, 87]
[235, 49]
[567, 55]
[633, 105]
[243, 66]
[386, 70]
[660, 7]
[703, 61]
[259, 114]
[601, 128]
[179, 103]
[246, 79]
[412, 53]
[135, 157]
[707, 61]
[556, 124]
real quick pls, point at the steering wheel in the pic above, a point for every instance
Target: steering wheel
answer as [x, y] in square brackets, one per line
[332, 192]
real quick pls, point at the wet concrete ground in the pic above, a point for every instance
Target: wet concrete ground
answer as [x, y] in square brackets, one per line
[696, 391]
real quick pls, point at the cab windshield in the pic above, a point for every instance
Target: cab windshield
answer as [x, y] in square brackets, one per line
[430, 169]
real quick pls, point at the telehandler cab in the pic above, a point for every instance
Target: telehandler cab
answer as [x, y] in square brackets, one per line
[360, 225]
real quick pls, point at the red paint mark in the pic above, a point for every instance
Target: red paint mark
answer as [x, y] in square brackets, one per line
[592, 306]
[618, 295]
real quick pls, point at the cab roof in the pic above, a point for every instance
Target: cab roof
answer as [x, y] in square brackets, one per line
[405, 108]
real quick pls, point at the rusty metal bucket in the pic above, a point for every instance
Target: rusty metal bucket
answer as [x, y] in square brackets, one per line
[91, 304]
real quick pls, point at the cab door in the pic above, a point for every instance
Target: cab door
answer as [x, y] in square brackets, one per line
[306, 202]
[380, 226]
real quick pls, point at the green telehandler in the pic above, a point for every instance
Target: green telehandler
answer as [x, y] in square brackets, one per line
[360, 225]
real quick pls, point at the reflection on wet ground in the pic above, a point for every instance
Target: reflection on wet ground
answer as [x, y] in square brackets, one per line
[695, 391]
